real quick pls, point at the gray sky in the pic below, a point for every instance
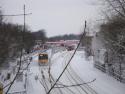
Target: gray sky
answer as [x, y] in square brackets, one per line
[57, 17]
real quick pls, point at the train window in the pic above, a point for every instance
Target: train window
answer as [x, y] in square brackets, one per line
[43, 56]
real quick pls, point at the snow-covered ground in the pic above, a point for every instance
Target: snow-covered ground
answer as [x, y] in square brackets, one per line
[85, 72]
[104, 84]
[38, 80]
[8, 74]
[33, 85]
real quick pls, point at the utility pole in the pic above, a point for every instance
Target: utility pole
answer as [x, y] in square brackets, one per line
[22, 45]
[24, 22]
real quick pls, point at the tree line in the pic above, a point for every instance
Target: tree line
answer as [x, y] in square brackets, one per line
[113, 30]
[64, 37]
[12, 38]
[112, 33]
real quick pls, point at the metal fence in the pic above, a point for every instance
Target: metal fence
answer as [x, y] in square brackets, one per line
[112, 64]
[21, 92]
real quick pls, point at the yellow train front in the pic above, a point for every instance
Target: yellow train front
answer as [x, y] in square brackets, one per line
[43, 59]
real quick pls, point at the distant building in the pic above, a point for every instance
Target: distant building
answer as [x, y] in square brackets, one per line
[38, 42]
[63, 43]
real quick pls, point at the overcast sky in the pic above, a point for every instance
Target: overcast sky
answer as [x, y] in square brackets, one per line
[57, 17]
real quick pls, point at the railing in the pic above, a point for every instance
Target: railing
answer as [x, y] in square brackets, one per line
[22, 92]
[100, 67]
[116, 75]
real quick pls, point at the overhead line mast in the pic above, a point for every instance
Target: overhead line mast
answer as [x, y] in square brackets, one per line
[22, 45]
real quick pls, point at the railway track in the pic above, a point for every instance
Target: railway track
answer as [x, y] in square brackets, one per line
[80, 80]
[72, 90]
[65, 90]
[43, 85]
[61, 55]
[72, 77]
[69, 75]
[45, 81]
[75, 77]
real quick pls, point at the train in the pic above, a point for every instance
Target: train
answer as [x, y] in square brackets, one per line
[43, 59]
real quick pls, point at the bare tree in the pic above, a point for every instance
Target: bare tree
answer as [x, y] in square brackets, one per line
[116, 7]
[113, 31]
